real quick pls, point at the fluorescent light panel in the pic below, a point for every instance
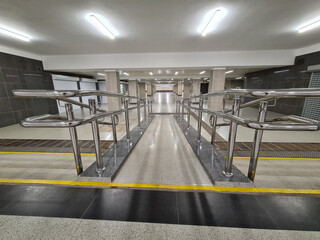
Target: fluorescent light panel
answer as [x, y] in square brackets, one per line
[94, 20]
[151, 73]
[127, 74]
[309, 26]
[231, 71]
[14, 34]
[282, 71]
[101, 74]
[214, 19]
[176, 73]
[202, 72]
[239, 78]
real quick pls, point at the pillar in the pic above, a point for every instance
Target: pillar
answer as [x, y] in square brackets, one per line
[186, 89]
[179, 90]
[133, 90]
[196, 89]
[142, 90]
[149, 90]
[113, 86]
[217, 81]
[154, 89]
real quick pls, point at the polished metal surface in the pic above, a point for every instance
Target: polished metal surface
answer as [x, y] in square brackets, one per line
[126, 106]
[188, 119]
[96, 137]
[257, 141]
[114, 128]
[232, 138]
[200, 119]
[138, 113]
[213, 124]
[74, 140]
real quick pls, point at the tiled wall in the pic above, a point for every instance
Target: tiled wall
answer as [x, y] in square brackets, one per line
[22, 73]
[295, 77]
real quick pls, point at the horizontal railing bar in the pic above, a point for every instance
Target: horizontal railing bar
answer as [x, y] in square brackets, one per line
[263, 126]
[67, 93]
[274, 93]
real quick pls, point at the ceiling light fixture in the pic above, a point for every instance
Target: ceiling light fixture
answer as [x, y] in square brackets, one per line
[101, 74]
[202, 72]
[127, 74]
[231, 71]
[282, 71]
[14, 34]
[94, 20]
[176, 73]
[151, 73]
[216, 17]
[238, 78]
[309, 26]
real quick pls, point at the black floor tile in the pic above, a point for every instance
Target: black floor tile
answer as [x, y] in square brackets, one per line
[293, 212]
[46, 201]
[228, 210]
[134, 205]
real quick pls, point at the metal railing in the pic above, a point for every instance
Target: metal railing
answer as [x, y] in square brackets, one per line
[58, 121]
[232, 115]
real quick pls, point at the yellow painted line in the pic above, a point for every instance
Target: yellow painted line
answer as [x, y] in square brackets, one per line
[92, 154]
[48, 153]
[162, 186]
[283, 158]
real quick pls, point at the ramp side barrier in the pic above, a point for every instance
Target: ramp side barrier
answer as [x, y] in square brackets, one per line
[71, 122]
[232, 115]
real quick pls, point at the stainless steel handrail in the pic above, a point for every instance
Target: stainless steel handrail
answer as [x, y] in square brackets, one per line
[232, 115]
[54, 121]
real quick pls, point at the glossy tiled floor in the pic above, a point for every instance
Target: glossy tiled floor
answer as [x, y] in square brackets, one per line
[163, 156]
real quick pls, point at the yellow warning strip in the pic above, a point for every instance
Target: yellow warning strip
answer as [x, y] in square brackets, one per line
[283, 158]
[162, 186]
[48, 153]
[91, 154]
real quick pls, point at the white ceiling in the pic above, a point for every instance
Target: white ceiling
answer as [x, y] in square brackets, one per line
[59, 27]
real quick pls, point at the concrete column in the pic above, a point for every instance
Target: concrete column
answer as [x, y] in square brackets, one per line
[217, 81]
[113, 86]
[149, 89]
[175, 88]
[133, 90]
[179, 91]
[154, 89]
[142, 90]
[186, 89]
[196, 89]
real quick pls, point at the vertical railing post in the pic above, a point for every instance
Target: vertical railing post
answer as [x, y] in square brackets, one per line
[257, 141]
[114, 129]
[145, 110]
[96, 137]
[178, 105]
[74, 139]
[200, 119]
[232, 138]
[182, 110]
[138, 113]
[188, 118]
[213, 123]
[126, 106]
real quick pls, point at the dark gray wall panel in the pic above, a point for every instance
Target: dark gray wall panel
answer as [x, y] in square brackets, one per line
[22, 73]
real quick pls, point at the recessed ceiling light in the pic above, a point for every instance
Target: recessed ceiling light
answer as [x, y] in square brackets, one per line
[95, 21]
[127, 74]
[231, 71]
[151, 73]
[101, 74]
[14, 34]
[309, 26]
[202, 72]
[216, 17]
[176, 73]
